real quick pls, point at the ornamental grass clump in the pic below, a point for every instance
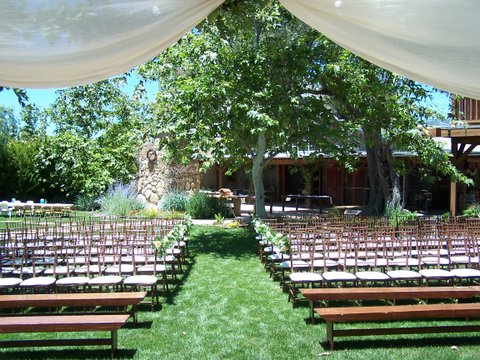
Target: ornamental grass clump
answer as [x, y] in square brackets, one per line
[174, 201]
[120, 199]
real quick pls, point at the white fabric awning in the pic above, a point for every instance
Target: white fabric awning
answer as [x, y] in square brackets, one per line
[432, 41]
[57, 43]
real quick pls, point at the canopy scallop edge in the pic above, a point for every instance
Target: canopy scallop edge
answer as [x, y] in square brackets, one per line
[57, 43]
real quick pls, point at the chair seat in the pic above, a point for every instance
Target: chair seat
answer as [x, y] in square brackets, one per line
[41, 281]
[372, 276]
[279, 257]
[435, 260]
[140, 280]
[403, 274]
[59, 270]
[159, 268]
[73, 281]
[94, 269]
[399, 262]
[339, 276]
[301, 277]
[436, 274]
[299, 264]
[9, 282]
[465, 273]
[117, 269]
[377, 262]
[105, 280]
[460, 259]
[324, 263]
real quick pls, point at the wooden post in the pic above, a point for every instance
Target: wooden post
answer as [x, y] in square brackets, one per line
[453, 198]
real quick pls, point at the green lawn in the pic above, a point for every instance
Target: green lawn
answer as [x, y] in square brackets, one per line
[225, 306]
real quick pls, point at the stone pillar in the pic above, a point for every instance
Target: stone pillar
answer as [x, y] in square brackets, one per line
[157, 176]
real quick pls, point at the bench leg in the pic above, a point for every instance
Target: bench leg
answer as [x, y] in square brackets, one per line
[312, 312]
[330, 334]
[114, 338]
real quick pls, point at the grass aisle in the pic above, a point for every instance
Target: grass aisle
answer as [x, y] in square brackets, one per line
[227, 308]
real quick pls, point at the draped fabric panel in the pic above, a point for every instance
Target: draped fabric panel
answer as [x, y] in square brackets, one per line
[58, 43]
[432, 41]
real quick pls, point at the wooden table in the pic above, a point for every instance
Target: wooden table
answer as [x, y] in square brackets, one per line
[319, 198]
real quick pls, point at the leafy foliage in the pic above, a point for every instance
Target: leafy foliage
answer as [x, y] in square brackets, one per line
[96, 138]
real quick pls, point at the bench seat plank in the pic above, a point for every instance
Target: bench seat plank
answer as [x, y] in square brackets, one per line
[387, 293]
[72, 300]
[399, 312]
[57, 323]
[390, 293]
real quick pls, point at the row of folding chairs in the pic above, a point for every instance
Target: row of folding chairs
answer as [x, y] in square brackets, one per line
[357, 254]
[87, 257]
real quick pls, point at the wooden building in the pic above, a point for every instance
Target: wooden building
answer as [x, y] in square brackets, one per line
[283, 177]
[464, 136]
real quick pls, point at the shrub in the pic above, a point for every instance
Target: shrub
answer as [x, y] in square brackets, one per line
[86, 202]
[120, 199]
[174, 201]
[472, 211]
[202, 206]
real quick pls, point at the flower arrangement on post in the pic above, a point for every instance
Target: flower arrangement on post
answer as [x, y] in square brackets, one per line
[281, 242]
[187, 224]
[275, 239]
[162, 243]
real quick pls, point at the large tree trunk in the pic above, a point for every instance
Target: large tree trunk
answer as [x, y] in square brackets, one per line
[383, 178]
[257, 176]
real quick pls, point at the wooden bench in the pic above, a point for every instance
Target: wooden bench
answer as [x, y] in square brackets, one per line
[394, 313]
[117, 299]
[387, 293]
[63, 323]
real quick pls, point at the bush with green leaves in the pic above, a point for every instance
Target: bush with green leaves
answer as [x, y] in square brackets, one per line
[120, 199]
[174, 201]
[202, 206]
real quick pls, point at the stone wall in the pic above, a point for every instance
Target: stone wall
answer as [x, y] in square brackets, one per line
[157, 176]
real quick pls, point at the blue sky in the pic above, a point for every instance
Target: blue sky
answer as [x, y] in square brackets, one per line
[44, 97]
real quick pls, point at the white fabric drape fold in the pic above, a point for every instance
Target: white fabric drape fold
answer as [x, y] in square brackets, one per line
[57, 43]
[432, 41]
